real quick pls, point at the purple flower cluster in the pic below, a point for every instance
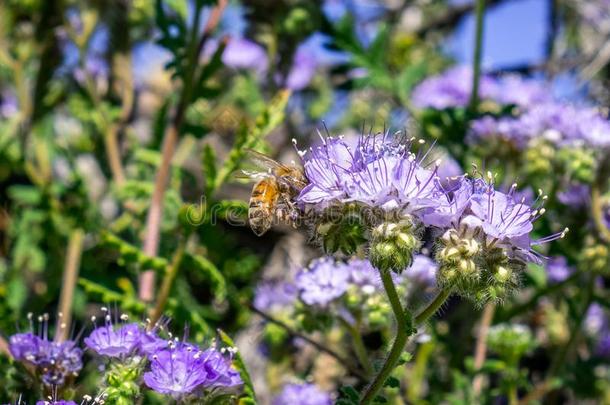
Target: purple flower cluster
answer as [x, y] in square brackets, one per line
[452, 88]
[377, 171]
[183, 369]
[558, 269]
[176, 368]
[560, 124]
[596, 324]
[302, 394]
[54, 360]
[274, 295]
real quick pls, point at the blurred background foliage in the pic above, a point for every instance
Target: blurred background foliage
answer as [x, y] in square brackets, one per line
[92, 93]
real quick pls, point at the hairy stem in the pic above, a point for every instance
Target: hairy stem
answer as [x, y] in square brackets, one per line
[481, 346]
[478, 52]
[66, 295]
[403, 331]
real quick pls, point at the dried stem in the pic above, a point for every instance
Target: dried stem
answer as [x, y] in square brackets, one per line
[481, 346]
[153, 220]
[72, 265]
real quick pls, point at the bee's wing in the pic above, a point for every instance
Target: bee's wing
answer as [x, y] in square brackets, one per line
[263, 161]
[250, 175]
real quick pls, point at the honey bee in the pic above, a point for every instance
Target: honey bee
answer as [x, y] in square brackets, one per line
[273, 195]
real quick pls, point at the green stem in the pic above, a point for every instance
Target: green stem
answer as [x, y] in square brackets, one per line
[359, 347]
[432, 307]
[404, 326]
[478, 52]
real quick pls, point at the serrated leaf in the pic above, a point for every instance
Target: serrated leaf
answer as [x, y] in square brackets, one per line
[106, 295]
[349, 392]
[208, 160]
[249, 394]
[129, 254]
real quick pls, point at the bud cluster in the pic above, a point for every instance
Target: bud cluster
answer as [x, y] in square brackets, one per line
[393, 245]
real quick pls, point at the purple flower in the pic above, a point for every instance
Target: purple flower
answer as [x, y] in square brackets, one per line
[177, 371]
[363, 275]
[514, 89]
[241, 53]
[504, 221]
[451, 89]
[557, 269]
[55, 361]
[422, 272]
[112, 341]
[270, 295]
[324, 281]
[302, 394]
[303, 69]
[183, 369]
[595, 319]
[9, 105]
[451, 205]
[375, 170]
[150, 342]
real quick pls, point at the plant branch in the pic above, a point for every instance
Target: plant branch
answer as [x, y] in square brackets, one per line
[166, 285]
[481, 346]
[70, 276]
[478, 53]
[359, 347]
[321, 347]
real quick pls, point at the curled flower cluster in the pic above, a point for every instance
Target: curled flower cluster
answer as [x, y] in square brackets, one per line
[484, 233]
[55, 361]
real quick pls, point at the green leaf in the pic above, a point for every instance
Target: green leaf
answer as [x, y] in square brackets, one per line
[129, 254]
[350, 393]
[380, 400]
[248, 397]
[210, 171]
[217, 281]
[106, 295]
[391, 382]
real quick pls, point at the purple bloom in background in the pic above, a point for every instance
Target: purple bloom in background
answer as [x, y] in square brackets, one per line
[376, 170]
[241, 53]
[115, 341]
[324, 281]
[9, 105]
[422, 272]
[55, 361]
[363, 275]
[303, 69]
[182, 369]
[274, 295]
[514, 89]
[302, 394]
[557, 269]
[451, 89]
[595, 319]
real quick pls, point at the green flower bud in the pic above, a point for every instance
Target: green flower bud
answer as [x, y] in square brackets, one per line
[595, 257]
[122, 382]
[393, 245]
[578, 163]
[539, 157]
[510, 342]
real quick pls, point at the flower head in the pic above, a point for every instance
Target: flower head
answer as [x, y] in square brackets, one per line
[377, 171]
[114, 340]
[54, 360]
[302, 394]
[184, 369]
[322, 282]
